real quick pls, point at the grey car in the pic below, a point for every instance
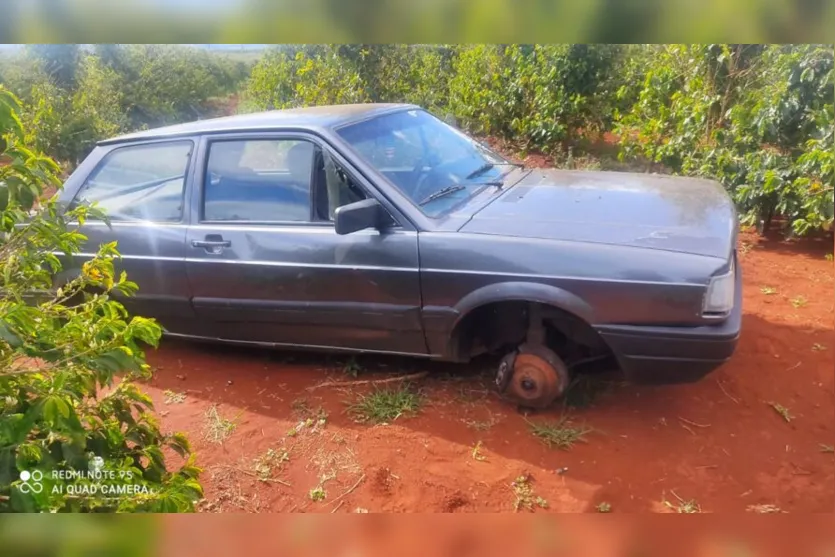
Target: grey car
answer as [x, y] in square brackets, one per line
[379, 228]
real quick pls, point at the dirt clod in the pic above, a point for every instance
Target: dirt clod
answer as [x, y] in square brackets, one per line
[382, 482]
[454, 501]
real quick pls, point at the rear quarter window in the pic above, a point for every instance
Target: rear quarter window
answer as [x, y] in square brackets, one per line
[140, 182]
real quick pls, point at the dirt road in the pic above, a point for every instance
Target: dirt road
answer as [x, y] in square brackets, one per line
[756, 435]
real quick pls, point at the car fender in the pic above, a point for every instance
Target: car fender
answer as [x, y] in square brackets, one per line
[517, 291]
[524, 291]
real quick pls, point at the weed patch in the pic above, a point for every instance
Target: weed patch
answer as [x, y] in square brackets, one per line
[386, 405]
[526, 499]
[561, 434]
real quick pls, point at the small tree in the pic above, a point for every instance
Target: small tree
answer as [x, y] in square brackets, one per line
[76, 434]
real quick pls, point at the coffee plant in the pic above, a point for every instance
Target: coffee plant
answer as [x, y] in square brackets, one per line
[758, 119]
[76, 432]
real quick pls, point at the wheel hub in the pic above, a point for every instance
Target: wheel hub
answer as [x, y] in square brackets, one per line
[537, 378]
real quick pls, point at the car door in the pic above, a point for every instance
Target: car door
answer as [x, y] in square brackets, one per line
[265, 264]
[141, 187]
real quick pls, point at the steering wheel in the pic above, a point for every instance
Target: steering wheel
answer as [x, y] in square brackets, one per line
[418, 172]
[424, 183]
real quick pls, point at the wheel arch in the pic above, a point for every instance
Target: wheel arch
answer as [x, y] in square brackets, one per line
[518, 292]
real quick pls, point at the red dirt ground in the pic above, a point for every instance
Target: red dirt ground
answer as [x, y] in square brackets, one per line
[718, 442]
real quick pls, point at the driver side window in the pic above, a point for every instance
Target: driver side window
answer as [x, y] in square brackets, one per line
[258, 180]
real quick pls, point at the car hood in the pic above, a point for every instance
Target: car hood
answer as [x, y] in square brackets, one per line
[687, 215]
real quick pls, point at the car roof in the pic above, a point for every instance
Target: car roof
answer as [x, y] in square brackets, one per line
[329, 116]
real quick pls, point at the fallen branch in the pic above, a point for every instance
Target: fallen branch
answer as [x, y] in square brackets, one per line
[693, 423]
[359, 481]
[726, 392]
[337, 507]
[397, 379]
[688, 429]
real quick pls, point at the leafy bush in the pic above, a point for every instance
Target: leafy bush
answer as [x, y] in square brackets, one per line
[324, 74]
[76, 97]
[283, 80]
[68, 356]
[479, 90]
[68, 124]
[416, 74]
[166, 84]
[537, 96]
[759, 119]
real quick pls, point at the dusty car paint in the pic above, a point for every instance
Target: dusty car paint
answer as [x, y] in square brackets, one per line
[631, 255]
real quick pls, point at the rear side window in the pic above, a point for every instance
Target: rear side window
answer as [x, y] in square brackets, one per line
[141, 182]
[258, 180]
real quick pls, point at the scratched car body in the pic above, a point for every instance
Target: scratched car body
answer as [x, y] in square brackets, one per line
[380, 228]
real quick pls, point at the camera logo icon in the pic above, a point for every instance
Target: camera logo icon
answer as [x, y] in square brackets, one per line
[32, 482]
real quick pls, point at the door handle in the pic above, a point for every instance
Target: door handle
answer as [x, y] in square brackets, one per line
[211, 243]
[214, 244]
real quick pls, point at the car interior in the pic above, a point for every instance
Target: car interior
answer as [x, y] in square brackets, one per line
[235, 191]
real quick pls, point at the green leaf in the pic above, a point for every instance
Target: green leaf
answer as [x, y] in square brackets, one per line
[23, 502]
[53, 407]
[28, 455]
[7, 335]
[116, 361]
[4, 191]
[194, 487]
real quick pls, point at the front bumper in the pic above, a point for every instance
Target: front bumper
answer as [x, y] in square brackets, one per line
[648, 354]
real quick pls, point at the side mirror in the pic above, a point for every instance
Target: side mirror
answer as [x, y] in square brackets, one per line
[358, 216]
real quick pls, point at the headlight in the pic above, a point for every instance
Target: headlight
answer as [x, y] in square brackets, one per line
[719, 299]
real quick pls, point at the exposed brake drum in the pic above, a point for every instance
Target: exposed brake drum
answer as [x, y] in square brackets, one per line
[534, 377]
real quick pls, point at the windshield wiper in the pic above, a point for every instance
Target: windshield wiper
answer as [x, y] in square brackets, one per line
[480, 170]
[443, 192]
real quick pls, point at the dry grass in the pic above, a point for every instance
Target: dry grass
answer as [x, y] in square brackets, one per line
[782, 411]
[689, 506]
[482, 425]
[332, 461]
[477, 453]
[764, 509]
[229, 494]
[267, 463]
[217, 428]
[172, 397]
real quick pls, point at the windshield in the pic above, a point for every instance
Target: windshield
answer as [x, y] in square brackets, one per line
[432, 163]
